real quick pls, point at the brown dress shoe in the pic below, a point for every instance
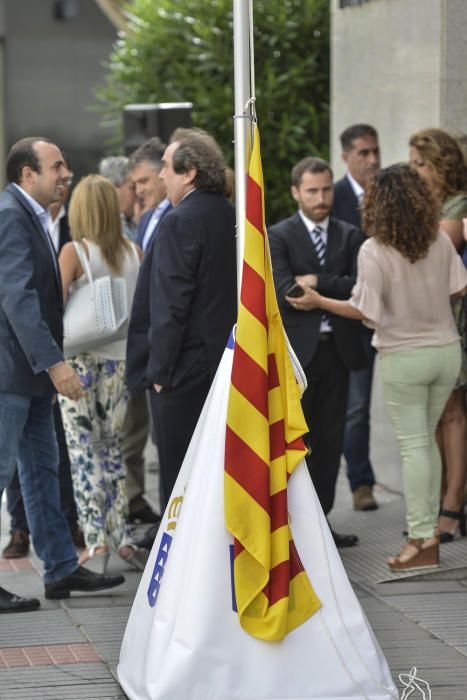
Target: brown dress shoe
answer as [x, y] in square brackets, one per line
[18, 546]
[77, 537]
[363, 498]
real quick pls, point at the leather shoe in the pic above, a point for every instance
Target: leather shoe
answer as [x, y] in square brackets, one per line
[9, 602]
[77, 536]
[148, 538]
[144, 515]
[363, 498]
[81, 580]
[344, 540]
[18, 546]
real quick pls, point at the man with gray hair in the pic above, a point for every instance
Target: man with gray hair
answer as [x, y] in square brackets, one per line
[117, 170]
[145, 165]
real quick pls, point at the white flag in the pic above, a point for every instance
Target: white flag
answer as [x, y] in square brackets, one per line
[183, 640]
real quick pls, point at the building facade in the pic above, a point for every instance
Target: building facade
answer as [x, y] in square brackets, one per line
[52, 55]
[400, 65]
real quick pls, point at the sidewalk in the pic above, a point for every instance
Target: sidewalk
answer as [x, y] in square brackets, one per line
[69, 649]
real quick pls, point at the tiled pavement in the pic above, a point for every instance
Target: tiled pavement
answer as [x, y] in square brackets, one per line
[68, 650]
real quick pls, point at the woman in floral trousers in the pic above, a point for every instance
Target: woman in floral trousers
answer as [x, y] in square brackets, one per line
[93, 424]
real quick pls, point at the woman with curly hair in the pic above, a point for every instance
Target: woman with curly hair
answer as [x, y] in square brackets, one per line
[408, 271]
[439, 160]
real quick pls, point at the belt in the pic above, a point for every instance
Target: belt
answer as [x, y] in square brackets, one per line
[324, 337]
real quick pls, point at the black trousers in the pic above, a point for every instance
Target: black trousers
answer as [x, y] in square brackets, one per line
[324, 405]
[175, 413]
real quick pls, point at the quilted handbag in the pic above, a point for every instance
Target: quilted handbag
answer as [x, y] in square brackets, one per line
[96, 312]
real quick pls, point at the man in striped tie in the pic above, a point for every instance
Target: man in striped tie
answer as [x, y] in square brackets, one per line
[313, 250]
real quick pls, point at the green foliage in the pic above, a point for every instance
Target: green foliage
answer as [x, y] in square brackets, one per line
[182, 50]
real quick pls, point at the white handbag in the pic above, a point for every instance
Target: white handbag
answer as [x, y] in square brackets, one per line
[96, 312]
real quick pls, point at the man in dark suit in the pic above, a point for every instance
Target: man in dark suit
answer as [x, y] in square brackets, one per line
[145, 166]
[141, 171]
[193, 293]
[360, 152]
[32, 368]
[310, 249]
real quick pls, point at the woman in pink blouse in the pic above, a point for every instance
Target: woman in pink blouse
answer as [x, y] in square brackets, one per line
[408, 271]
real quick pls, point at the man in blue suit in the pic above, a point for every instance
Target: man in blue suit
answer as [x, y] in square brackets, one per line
[145, 166]
[32, 368]
[360, 152]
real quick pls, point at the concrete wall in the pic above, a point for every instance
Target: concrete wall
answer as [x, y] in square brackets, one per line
[50, 72]
[400, 65]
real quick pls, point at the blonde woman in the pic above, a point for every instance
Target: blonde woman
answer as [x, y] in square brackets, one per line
[93, 424]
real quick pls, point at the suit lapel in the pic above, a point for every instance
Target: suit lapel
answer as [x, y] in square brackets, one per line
[304, 243]
[331, 247]
[36, 222]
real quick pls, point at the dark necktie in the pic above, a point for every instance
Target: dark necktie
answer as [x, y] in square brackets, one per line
[318, 242]
[320, 247]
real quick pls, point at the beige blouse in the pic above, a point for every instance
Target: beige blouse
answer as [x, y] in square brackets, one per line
[408, 304]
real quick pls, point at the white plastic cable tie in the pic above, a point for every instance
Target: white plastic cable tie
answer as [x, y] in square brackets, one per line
[411, 683]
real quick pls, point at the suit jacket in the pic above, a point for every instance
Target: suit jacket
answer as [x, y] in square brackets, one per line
[346, 205]
[31, 302]
[64, 232]
[293, 253]
[143, 224]
[137, 349]
[193, 289]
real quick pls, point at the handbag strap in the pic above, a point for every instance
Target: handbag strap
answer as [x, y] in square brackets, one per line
[82, 257]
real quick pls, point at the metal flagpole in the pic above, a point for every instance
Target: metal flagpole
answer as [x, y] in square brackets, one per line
[242, 18]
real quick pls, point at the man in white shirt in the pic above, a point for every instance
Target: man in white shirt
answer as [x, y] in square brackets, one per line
[312, 249]
[145, 166]
[360, 152]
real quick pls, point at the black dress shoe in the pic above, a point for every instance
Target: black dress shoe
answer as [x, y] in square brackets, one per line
[81, 580]
[344, 540]
[148, 538]
[144, 515]
[9, 602]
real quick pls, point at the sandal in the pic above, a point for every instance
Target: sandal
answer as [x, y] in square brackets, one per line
[134, 556]
[96, 558]
[416, 554]
[444, 536]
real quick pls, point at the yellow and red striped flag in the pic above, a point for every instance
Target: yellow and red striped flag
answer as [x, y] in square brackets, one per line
[265, 427]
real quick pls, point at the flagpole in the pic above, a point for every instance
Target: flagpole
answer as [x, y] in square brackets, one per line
[242, 14]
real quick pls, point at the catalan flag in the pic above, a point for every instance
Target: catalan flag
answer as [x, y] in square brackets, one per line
[264, 445]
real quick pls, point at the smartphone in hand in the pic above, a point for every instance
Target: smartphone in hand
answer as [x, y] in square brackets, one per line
[295, 291]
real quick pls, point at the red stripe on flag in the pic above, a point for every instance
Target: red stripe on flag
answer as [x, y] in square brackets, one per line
[253, 294]
[272, 372]
[276, 440]
[250, 380]
[248, 470]
[254, 204]
[297, 444]
[279, 513]
[278, 585]
[296, 566]
[238, 548]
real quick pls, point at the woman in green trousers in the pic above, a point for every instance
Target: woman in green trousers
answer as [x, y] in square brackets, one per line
[408, 271]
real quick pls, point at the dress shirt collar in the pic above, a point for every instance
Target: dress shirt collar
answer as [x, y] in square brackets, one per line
[356, 186]
[36, 207]
[53, 227]
[310, 225]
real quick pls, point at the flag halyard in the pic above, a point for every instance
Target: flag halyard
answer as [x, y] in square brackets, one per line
[264, 445]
